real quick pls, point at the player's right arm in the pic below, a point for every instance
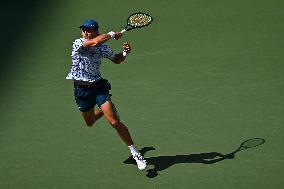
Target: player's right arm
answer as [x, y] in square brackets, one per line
[101, 39]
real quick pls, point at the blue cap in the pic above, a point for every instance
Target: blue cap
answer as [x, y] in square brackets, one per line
[91, 24]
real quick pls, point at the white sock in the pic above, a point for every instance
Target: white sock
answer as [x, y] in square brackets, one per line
[133, 149]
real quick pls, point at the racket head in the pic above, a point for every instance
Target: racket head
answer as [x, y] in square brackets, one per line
[251, 143]
[138, 20]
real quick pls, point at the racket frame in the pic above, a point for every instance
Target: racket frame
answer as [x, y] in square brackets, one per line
[130, 27]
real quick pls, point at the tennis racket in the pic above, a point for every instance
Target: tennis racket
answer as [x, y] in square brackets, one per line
[137, 20]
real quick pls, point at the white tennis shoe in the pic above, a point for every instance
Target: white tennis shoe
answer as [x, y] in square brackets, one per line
[141, 162]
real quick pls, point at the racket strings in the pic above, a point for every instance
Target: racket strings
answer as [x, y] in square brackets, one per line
[139, 19]
[253, 143]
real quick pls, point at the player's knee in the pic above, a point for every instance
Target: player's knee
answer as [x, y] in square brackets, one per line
[115, 123]
[90, 123]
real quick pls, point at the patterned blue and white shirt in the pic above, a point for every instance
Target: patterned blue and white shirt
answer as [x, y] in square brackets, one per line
[86, 61]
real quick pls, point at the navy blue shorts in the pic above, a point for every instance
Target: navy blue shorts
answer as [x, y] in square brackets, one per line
[88, 96]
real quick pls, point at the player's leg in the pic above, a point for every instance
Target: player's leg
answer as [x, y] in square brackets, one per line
[84, 97]
[111, 116]
[92, 116]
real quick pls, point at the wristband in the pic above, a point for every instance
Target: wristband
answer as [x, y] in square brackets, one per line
[111, 34]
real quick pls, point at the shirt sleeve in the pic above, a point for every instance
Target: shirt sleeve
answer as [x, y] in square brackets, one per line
[77, 46]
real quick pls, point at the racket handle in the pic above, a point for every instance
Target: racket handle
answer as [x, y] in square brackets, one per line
[122, 31]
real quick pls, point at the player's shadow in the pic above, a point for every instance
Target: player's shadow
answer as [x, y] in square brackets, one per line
[160, 163]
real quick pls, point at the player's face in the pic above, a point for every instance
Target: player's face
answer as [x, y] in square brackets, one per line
[89, 33]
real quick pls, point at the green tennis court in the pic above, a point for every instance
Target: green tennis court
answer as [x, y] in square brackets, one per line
[204, 77]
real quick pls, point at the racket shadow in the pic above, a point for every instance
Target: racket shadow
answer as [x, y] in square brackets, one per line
[161, 163]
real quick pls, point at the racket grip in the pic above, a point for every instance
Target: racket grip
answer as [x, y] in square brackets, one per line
[122, 31]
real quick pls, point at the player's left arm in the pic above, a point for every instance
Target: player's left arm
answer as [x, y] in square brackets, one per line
[120, 57]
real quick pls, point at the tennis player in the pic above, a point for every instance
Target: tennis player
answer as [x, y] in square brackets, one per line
[90, 89]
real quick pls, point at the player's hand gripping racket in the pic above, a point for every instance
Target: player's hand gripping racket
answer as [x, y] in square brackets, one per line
[137, 20]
